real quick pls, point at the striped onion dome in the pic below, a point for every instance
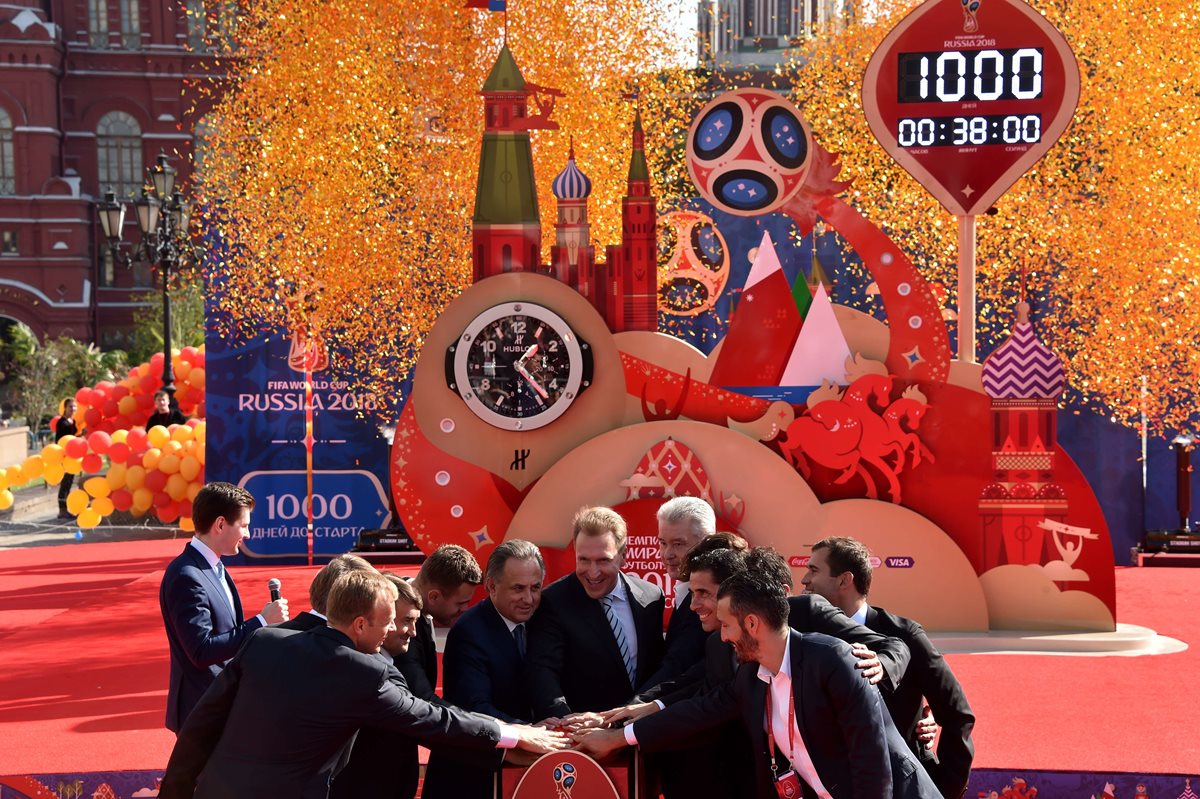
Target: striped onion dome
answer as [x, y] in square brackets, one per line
[1023, 367]
[571, 183]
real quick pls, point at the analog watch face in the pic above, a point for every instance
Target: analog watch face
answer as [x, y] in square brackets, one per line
[517, 366]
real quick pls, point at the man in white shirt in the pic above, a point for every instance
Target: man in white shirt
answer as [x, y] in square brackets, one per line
[825, 722]
[200, 605]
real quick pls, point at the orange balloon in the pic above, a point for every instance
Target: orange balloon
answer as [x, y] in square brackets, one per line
[143, 498]
[176, 487]
[151, 458]
[117, 475]
[135, 477]
[169, 463]
[103, 505]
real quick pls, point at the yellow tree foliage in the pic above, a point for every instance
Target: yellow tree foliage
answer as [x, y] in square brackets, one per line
[1105, 223]
[341, 169]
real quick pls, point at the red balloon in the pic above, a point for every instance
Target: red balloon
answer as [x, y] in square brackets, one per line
[84, 396]
[106, 385]
[109, 408]
[185, 507]
[100, 442]
[76, 448]
[119, 392]
[92, 463]
[189, 354]
[149, 383]
[146, 400]
[122, 422]
[136, 439]
[122, 500]
[167, 513]
[156, 480]
[161, 498]
[118, 453]
[91, 417]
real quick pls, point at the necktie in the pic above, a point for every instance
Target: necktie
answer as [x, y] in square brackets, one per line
[220, 568]
[619, 634]
[519, 635]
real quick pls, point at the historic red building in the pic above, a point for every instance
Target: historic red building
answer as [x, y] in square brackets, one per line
[507, 224]
[90, 92]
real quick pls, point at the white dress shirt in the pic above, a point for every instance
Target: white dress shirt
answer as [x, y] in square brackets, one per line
[681, 594]
[860, 615]
[780, 686]
[213, 559]
[624, 612]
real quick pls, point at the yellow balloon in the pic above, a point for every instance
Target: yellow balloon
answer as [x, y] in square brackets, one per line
[6, 499]
[77, 500]
[127, 405]
[3, 479]
[53, 474]
[193, 490]
[117, 474]
[103, 506]
[169, 463]
[143, 498]
[198, 433]
[151, 458]
[176, 487]
[96, 487]
[135, 477]
[173, 446]
[186, 524]
[189, 468]
[158, 435]
[181, 433]
[53, 453]
[196, 377]
[120, 436]
[182, 369]
[72, 465]
[200, 455]
[33, 467]
[88, 519]
[62, 442]
[15, 476]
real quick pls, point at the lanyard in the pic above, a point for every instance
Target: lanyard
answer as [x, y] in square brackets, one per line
[771, 728]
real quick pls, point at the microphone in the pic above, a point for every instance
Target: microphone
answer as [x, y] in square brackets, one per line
[274, 585]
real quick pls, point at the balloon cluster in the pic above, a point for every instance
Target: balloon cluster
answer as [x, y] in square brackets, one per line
[161, 469]
[111, 407]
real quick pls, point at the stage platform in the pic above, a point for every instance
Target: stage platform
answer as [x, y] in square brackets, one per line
[84, 669]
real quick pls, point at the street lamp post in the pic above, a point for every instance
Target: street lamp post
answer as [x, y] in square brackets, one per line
[162, 216]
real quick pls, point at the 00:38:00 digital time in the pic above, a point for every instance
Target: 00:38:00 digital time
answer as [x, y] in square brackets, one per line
[969, 131]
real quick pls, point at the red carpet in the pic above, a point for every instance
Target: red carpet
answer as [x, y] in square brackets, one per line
[82, 681]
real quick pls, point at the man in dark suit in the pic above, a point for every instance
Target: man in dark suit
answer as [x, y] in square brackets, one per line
[318, 591]
[249, 737]
[597, 637]
[485, 662]
[200, 605]
[362, 775]
[446, 584]
[683, 522]
[840, 570]
[825, 723]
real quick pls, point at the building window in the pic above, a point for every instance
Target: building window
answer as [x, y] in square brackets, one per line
[98, 23]
[211, 24]
[8, 183]
[195, 25]
[131, 25]
[8, 243]
[108, 270]
[119, 153]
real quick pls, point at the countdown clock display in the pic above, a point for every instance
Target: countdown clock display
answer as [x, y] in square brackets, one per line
[518, 366]
[967, 97]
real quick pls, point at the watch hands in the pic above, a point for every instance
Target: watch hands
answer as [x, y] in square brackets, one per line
[519, 366]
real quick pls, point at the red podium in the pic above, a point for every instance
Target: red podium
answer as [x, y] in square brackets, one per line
[574, 775]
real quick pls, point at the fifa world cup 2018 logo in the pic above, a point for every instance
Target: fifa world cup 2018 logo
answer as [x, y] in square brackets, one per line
[564, 780]
[970, 9]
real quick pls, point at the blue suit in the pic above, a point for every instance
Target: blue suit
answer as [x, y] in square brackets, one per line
[483, 673]
[203, 632]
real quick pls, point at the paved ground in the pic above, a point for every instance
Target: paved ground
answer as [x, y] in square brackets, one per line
[50, 531]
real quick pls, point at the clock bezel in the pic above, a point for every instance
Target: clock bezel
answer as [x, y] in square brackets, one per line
[578, 377]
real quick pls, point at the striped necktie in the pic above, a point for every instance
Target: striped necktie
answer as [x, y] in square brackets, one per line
[619, 634]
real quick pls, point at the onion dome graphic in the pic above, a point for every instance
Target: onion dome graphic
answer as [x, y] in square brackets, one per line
[571, 183]
[1023, 367]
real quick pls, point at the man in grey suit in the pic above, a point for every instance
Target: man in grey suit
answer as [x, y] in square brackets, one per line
[249, 737]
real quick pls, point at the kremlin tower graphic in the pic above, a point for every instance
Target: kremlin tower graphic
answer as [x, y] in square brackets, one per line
[507, 228]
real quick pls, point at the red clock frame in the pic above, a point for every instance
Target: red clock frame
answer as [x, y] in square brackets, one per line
[968, 178]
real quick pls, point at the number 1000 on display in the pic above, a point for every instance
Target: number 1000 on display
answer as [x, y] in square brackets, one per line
[962, 76]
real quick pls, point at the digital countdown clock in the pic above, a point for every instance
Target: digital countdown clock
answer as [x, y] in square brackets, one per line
[968, 97]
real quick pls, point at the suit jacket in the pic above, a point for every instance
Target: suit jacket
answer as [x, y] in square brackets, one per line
[685, 645]
[419, 664]
[250, 737]
[929, 678]
[840, 718]
[811, 613]
[483, 673]
[573, 663]
[203, 632]
[301, 622]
